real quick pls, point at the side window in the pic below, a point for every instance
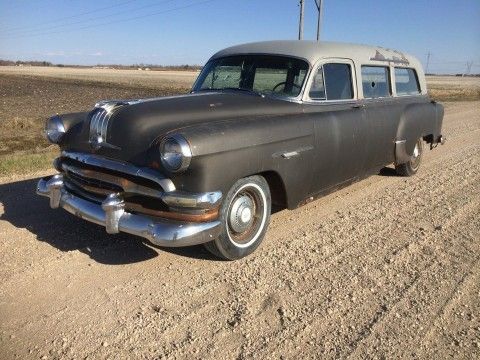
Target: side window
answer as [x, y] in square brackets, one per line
[332, 82]
[406, 81]
[375, 81]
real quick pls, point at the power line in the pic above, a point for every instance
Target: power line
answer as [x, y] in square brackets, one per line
[72, 16]
[116, 21]
[69, 24]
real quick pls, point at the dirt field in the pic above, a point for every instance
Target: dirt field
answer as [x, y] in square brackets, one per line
[386, 268]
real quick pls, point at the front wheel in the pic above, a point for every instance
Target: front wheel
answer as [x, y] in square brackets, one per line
[245, 215]
[411, 167]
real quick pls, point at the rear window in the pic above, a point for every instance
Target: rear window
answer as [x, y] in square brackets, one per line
[406, 81]
[332, 82]
[375, 81]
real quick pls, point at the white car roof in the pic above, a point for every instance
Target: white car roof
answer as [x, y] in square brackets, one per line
[312, 51]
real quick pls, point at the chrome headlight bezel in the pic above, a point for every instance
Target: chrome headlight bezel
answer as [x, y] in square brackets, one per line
[54, 129]
[175, 153]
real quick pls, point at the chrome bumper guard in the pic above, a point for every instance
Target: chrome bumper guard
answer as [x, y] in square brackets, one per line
[112, 215]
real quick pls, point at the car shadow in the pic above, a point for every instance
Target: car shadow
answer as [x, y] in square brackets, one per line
[25, 210]
[388, 171]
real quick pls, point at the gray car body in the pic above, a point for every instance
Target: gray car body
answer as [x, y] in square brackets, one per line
[303, 148]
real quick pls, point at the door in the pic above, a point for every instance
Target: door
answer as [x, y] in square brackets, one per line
[338, 124]
[382, 113]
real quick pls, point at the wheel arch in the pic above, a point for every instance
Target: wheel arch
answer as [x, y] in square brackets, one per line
[277, 189]
[419, 120]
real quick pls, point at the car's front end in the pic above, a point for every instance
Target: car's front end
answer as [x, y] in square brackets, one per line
[126, 198]
[162, 168]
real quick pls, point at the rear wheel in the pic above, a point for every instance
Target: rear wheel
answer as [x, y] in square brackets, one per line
[411, 167]
[245, 214]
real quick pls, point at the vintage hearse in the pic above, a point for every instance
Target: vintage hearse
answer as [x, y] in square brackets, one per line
[267, 125]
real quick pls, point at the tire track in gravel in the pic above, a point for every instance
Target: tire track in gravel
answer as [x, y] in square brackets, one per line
[382, 309]
[438, 280]
[456, 165]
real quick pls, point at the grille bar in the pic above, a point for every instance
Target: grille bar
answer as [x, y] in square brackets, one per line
[91, 179]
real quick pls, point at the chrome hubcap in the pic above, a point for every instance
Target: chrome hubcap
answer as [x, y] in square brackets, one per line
[415, 151]
[416, 156]
[241, 213]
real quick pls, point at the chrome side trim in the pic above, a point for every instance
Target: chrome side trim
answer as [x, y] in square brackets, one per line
[123, 167]
[112, 215]
[401, 156]
[290, 154]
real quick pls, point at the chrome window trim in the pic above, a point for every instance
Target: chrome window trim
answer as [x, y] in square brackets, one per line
[308, 84]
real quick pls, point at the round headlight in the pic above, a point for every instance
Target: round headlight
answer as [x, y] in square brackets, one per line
[54, 129]
[175, 153]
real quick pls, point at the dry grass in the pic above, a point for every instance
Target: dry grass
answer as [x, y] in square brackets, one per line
[453, 88]
[25, 163]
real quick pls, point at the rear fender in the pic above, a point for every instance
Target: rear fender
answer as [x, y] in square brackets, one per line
[419, 120]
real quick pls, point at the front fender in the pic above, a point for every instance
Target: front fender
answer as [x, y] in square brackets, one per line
[226, 151]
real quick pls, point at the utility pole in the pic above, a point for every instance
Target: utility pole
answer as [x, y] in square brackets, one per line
[319, 4]
[428, 62]
[300, 27]
[469, 68]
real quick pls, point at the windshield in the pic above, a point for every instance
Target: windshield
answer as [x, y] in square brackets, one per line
[265, 74]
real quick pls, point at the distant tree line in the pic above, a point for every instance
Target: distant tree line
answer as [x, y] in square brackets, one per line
[153, 67]
[28, 63]
[110, 66]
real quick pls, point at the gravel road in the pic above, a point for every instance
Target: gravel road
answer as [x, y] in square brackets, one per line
[386, 268]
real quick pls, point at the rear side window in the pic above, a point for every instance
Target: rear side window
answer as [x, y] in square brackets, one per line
[375, 81]
[332, 82]
[406, 82]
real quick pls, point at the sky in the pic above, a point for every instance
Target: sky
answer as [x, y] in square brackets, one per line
[174, 32]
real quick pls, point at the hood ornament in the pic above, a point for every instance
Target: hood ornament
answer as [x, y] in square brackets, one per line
[99, 119]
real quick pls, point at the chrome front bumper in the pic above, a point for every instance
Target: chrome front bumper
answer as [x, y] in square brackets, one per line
[112, 215]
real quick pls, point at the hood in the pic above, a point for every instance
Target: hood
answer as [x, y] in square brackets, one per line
[136, 125]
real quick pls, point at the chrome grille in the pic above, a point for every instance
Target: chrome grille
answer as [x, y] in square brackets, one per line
[98, 181]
